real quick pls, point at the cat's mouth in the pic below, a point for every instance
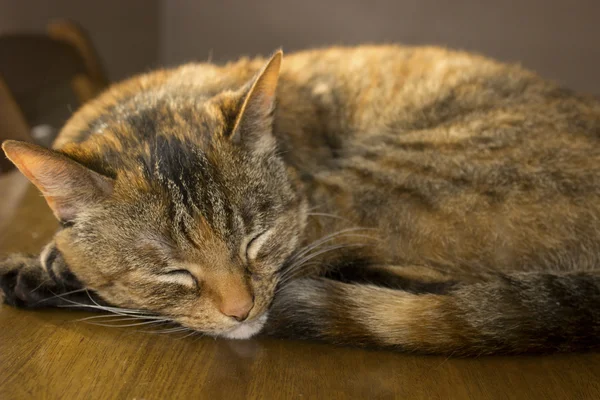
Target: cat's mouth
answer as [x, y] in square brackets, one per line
[246, 329]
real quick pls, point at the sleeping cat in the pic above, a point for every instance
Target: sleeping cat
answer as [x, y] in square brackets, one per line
[418, 199]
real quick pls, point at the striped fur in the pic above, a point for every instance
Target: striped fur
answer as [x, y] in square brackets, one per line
[516, 313]
[411, 198]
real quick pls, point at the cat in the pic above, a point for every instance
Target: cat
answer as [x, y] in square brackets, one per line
[408, 198]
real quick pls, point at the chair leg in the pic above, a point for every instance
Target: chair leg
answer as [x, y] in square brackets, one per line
[12, 124]
[73, 34]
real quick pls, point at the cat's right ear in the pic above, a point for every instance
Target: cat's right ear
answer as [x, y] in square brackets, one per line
[68, 186]
[253, 123]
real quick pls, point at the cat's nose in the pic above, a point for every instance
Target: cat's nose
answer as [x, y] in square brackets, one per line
[238, 308]
[230, 292]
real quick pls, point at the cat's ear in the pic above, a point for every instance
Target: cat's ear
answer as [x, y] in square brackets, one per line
[68, 186]
[253, 124]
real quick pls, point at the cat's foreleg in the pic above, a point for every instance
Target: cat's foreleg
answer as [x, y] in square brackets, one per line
[40, 281]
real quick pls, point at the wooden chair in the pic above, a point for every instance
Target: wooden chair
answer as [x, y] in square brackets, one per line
[34, 71]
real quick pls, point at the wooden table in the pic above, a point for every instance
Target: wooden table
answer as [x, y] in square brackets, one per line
[51, 355]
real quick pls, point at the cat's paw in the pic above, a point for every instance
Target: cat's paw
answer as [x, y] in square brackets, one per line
[23, 282]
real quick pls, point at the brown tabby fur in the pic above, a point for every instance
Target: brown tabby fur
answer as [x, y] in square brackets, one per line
[465, 195]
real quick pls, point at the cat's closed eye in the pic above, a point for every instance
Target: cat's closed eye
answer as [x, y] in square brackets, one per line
[255, 244]
[181, 276]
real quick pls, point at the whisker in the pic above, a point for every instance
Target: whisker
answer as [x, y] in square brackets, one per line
[192, 333]
[300, 265]
[325, 239]
[61, 295]
[113, 310]
[200, 336]
[40, 285]
[296, 260]
[126, 325]
[308, 210]
[170, 330]
[328, 249]
[319, 214]
[124, 310]
[344, 235]
[130, 317]
[283, 281]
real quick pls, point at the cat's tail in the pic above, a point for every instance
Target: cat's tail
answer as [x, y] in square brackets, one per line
[516, 313]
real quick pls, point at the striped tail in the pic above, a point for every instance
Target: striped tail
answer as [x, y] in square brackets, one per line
[517, 313]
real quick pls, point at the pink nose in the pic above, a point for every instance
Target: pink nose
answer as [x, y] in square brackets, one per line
[237, 308]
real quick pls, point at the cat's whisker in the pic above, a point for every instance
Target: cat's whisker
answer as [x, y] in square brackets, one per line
[125, 310]
[192, 333]
[296, 261]
[127, 325]
[300, 273]
[282, 282]
[89, 306]
[113, 310]
[313, 208]
[199, 336]
[61, 295]
[40, 285]
[281, 152]
[299, 267]
[328, 249]
[318, 214]
[296, 269]
[325, 239]
[169, 330]
[130, 317]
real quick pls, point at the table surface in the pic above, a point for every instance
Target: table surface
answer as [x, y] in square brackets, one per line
[51, 354]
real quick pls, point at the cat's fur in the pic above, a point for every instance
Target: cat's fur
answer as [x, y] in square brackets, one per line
[461, 197]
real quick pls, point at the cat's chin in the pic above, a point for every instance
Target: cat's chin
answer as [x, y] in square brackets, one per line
[246, 330]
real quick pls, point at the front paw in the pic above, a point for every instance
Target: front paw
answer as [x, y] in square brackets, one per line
[23, 282]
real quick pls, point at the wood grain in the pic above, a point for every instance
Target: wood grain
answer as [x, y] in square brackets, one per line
[51, 355]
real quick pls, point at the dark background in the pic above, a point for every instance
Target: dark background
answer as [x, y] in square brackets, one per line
[559, 39]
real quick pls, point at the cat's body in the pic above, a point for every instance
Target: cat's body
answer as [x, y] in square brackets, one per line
[458, 199]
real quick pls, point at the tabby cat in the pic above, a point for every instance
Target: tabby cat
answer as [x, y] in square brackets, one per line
[417, 199]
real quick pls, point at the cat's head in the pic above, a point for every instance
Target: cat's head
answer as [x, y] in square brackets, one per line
[177, 205]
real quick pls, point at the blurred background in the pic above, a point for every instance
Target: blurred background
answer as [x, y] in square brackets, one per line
[559, 39]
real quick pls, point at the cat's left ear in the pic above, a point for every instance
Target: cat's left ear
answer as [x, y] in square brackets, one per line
[253, 124]
[69, 187]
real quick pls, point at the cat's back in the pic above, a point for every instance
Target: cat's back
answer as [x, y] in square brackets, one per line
[367, 88]
[457, 158]
[460, 163]
[355, 83]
